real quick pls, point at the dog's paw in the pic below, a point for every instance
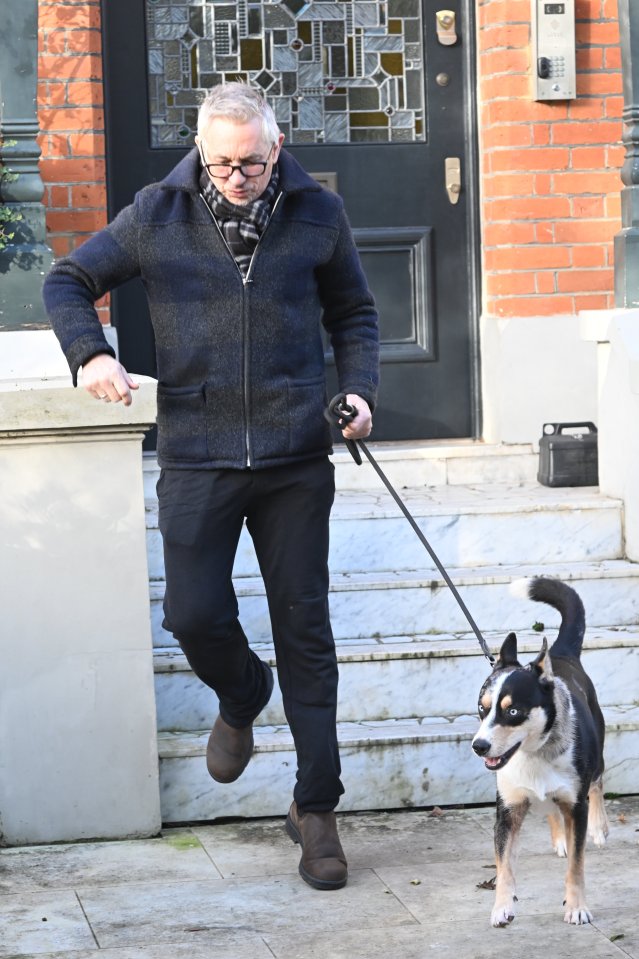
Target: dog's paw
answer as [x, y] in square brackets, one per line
[598, 836]
[561, 848]
[502, 915]
[577, 916]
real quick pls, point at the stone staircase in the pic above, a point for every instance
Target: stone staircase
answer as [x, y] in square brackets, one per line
[410, 668]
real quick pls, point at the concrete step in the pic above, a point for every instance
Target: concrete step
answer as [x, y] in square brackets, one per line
[472, 525]
[418, 464]
[410, 669]
[398, 677]
[385, 765]
[372, 605]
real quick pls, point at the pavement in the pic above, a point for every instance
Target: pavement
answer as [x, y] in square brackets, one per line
[230, 890]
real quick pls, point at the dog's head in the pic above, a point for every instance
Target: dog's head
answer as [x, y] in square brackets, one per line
[516, 706]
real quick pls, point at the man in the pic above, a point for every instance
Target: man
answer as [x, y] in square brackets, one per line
[242, 254]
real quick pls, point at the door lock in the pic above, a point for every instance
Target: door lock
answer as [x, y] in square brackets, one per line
[446, 33]
[452, 169]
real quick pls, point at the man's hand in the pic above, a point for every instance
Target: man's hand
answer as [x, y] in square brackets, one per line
[360, 427]
[106, 379]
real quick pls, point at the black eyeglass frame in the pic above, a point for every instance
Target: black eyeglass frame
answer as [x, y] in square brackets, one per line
[233, 167]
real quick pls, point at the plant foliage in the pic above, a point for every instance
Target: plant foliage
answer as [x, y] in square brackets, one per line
[7, 215]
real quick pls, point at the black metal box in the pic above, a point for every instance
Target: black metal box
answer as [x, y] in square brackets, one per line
[568, 455]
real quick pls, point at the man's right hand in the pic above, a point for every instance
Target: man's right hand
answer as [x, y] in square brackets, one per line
[106, 379]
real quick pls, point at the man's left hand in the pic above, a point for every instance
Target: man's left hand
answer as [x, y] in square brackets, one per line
[359, 427]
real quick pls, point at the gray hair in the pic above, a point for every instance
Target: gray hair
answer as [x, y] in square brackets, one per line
[241, 103]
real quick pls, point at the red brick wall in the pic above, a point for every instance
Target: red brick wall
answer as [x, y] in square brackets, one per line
[71, 115]
[549, 171]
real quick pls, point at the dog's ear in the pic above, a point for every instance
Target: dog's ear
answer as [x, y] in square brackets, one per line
[542, 666]
[508, 653]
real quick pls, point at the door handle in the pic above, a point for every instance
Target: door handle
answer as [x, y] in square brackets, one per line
[452, 172]
[446, 33]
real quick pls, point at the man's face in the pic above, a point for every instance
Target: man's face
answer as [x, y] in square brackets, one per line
[238, 143]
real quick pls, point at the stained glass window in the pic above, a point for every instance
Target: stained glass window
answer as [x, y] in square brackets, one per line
[346, 71]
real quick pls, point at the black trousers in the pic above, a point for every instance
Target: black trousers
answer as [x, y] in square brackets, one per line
[287, 509]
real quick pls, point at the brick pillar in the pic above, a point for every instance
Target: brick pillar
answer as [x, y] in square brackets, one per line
[550, 171]
[71, 111]
[550, 207]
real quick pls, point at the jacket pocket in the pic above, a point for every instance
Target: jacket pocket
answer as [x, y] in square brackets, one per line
[182, 423]
[308, 430]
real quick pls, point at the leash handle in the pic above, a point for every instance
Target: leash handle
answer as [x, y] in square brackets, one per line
[339, 413]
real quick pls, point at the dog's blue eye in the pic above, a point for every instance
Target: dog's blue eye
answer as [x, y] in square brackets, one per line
[481, 710]
[513, 712]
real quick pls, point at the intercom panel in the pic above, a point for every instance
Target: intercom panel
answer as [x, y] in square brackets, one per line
[554, 66]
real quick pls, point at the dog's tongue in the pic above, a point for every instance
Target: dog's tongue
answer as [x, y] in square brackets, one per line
[492, 762]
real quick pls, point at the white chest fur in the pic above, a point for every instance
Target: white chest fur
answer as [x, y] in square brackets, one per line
[530, 777]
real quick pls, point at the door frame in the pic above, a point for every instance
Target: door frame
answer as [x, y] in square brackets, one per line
[124, 24]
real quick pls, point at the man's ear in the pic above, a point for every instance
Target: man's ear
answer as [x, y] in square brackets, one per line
[278, 147]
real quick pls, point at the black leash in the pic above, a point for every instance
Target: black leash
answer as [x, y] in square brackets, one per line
[340, 413]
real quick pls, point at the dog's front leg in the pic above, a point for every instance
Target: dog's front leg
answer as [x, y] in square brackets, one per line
[558, 833]
[507, 828]
[597, 818]
[576, 821]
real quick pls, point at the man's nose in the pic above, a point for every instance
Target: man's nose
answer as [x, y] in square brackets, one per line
[237, 176]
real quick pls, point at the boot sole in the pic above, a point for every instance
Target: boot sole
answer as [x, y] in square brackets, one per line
[323, 884]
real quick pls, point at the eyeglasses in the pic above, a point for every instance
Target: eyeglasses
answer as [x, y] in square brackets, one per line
[224, 171]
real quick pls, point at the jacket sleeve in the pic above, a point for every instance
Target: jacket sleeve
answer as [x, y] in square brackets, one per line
[75, 282]
[350, 317]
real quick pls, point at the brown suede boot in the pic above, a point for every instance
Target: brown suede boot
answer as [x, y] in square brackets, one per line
[228, 751]
[323, 864]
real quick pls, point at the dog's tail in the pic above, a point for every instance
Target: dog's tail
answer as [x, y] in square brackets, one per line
[545, 589]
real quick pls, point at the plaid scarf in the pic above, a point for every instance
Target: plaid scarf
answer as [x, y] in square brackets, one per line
[241, 226]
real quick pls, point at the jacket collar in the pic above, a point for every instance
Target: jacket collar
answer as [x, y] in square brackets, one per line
[185, 176]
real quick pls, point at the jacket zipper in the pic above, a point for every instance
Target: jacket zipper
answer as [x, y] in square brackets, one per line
[245, 281]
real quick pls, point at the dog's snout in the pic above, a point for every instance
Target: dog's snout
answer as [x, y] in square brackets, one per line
[481, 746]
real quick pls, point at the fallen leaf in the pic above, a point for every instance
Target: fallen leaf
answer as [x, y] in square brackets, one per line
[436, 812]
[415, 882]
[487, 883]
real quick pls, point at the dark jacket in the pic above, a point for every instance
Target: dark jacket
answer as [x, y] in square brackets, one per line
[240, 362]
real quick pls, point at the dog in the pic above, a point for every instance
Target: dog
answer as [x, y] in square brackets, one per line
[542, 733]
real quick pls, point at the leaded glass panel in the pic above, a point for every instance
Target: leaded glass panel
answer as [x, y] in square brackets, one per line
[346, 71]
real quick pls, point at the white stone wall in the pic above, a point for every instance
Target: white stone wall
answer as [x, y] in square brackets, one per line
[616, 334]
[78, 744]
[535, 370]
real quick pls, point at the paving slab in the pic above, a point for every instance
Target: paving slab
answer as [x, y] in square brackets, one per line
[450, 940]
[370, 840]
[231, 891]
[212, 945]
[177, 855]
[446, 891]
[621, 925]
[128, 914]
[42, 922]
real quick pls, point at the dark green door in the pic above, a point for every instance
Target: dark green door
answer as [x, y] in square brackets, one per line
[375, 101]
